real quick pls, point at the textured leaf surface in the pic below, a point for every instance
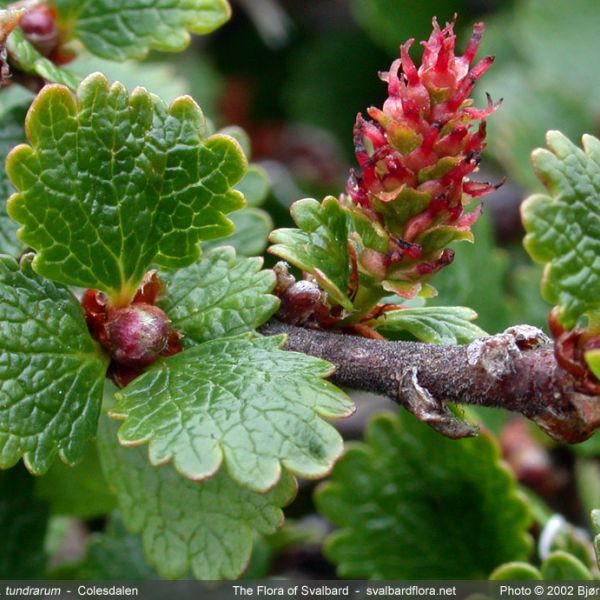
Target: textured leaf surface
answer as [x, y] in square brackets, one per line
[204, 527]
[221, 295]
[113, 182]
[31, 61]
[120, 30]
[241, 400]
[51, 374]
[22, 527]
[11, 134]
[415, 505]
[432, 324]
[563, 228]
[319, 245]
[79, 491]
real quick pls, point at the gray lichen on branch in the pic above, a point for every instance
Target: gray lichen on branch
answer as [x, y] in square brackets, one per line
[515, 370]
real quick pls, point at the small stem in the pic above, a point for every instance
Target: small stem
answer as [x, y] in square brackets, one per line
[515, 370]
[365, 300]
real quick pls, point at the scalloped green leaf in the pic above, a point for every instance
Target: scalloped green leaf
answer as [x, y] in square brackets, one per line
[255, 185]
[433, 324]
[241, 401]
[114, 182]
[80, 491]
[11, 134]
[206, 528]
[516, 571]
[221, 295]
[563, 228]
[319, 246]
[412, 504]
[28, 59]
[51, 371]
[121, 30]
[562, 566]
[23, 521]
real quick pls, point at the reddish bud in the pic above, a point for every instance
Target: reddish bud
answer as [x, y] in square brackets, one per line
[39, 26]
[137, 334]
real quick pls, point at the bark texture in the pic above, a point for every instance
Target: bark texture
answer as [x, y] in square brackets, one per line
[515, 370]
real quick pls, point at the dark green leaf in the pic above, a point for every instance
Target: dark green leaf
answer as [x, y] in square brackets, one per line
[239, 400]
[51, 371]
[203, 527]
[11, 133]
[432, 324]
[115, 554]
[79, 491]
[562, 227]
[412, 504]
[113, 182]
[22, 527]
[120, 30]
[220, 295]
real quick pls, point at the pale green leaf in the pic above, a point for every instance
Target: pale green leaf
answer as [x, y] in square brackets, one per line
[28, 59]
[252, 229]
[221, 295]
[516, 571]
[432, 324]
[563, 228]
[412, 504]
[254, 185]
[113, 182]
[241, 401]
[120, 30]
[203, 527]
[562, 566]
[51, 371]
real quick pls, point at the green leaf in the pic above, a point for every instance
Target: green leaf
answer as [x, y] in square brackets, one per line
[113, 182]
[23, 521]
[221, 295]
[79, 491]
[51, 372]
[432, 324]
[204, 527]
[562, 227]
[11, 134]
[115, 554]
[252, 228]
[516, 571]
[412, 504]
[28, 59]
[561, 566]
[239, 400]
[120, 30]
[319, 246]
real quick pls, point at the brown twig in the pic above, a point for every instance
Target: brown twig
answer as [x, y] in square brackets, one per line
[515, 370]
